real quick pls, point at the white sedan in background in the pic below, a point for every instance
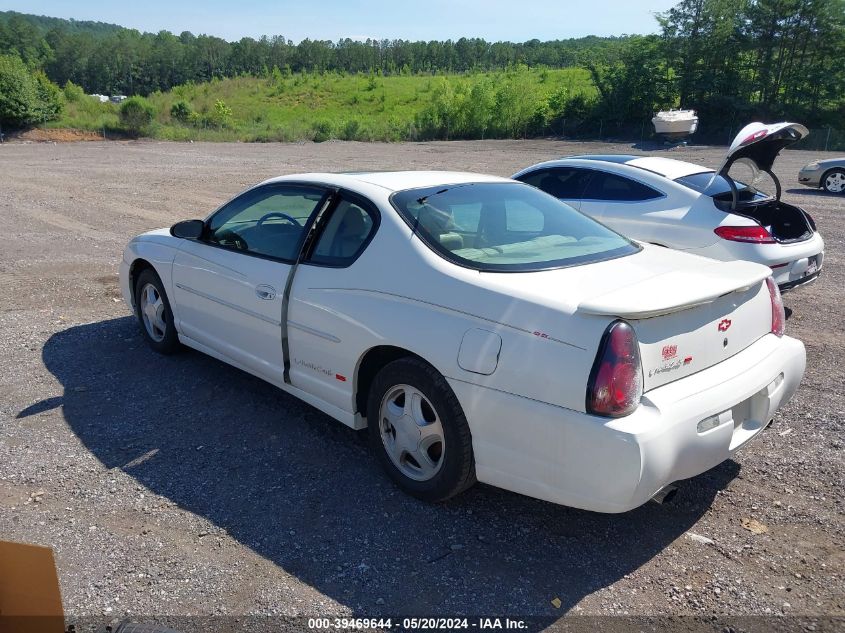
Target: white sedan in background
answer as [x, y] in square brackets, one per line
[480, 328]
[695, 209]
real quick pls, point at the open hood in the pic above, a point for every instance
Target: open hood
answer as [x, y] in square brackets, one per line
[759, 144]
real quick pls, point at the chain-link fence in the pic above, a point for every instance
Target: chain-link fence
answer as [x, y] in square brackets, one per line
[828, 139]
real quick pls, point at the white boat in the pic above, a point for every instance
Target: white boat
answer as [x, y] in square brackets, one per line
[675, 124]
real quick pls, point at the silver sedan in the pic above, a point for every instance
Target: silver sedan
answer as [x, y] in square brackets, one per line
[827, 174]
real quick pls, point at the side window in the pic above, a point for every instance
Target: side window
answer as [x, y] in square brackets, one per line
[344, 235]
[266, 221]
[605, 186]
[561, 182]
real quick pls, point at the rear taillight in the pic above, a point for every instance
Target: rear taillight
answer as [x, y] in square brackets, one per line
[778, 313]
[616, 381]
[752, 234]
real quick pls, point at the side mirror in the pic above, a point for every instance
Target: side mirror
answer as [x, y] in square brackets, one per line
[188, 229]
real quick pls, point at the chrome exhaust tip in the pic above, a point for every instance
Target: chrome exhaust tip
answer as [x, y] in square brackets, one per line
[665, 494]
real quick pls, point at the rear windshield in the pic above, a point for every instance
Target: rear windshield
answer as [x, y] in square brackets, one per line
[506, 226]
[719, 187]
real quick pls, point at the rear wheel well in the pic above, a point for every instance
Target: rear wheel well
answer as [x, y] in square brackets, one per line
[372, 362]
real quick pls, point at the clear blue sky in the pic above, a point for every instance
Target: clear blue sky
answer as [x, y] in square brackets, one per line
[334, 19]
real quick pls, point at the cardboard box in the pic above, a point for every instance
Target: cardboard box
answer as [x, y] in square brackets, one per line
[30, 599]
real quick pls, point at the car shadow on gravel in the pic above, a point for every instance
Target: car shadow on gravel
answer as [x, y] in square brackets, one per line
[303, 491]
[820, 193]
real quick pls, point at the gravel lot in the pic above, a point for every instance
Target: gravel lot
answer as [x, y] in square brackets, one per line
[182, 486]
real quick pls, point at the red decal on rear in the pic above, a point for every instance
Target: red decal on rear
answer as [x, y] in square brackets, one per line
[670, 351]
[724, 324]
[340, 378]
[687, 360]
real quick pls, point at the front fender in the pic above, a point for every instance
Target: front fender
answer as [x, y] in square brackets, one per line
[156, 250]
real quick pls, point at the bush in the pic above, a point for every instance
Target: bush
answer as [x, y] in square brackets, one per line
[136, 114]
[73, 93]
[222, 114]
[322, 131]
[49, 99]
[351, 130]
[181, 111]
[197, 120]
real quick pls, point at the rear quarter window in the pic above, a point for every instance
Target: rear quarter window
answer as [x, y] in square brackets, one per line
[561, 182]
[605, 186]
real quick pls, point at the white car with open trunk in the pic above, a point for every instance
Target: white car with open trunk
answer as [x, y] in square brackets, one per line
[692, 208]
[482, 330]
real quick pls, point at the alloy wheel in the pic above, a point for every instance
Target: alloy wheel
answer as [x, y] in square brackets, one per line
[835, 182]
[412, 432]
[152, 312]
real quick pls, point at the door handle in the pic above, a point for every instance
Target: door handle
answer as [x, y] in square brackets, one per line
[263, 291]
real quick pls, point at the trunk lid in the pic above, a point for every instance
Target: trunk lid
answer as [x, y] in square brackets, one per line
[758, 145]
[762, 142]
[680, 344]
[691, 319]
[675, 302]
[676, 290]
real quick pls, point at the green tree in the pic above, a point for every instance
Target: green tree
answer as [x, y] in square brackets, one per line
[73, 93]
[26, 97]
[18, 92]
[49, 100]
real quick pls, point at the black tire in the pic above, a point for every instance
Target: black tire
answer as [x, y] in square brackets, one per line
[457, 472]
[832, 172]
[169, 342]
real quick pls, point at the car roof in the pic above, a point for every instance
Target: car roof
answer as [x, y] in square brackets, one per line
[667, 167]
[391, 180]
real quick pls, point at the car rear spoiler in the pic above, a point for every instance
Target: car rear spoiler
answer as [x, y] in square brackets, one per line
[676, 290]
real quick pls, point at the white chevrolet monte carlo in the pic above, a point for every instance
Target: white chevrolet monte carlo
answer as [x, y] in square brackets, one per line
[695, 209]
[482, 330]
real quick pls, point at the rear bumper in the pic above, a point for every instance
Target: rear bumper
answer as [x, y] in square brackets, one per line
[594, 463]
[791, 263]
[798, 272]
[802, 281]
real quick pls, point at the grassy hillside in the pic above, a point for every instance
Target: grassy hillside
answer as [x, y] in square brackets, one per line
[355, 107]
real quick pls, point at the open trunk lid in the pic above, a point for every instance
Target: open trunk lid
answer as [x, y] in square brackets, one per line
[687, 321]
[758, 145]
